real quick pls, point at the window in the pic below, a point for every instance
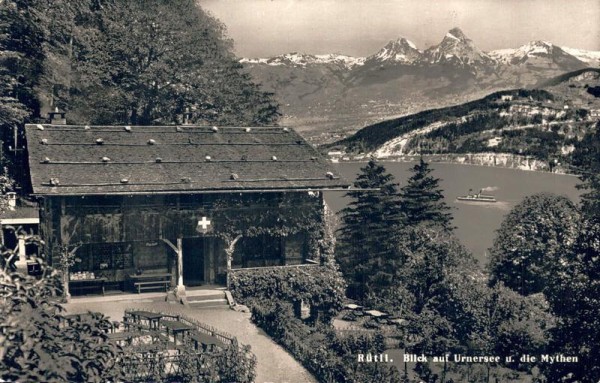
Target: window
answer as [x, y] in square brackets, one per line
[258, 251]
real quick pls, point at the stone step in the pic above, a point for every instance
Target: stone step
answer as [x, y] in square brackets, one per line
[207, 297]
[209, 307]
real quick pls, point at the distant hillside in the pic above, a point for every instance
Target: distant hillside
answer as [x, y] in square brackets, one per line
[543, 123]
[566, 77]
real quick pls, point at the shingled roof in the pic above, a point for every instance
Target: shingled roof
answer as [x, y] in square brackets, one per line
[88, 160]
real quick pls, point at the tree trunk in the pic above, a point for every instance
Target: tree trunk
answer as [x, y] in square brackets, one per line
[229, 252]
[66, 292]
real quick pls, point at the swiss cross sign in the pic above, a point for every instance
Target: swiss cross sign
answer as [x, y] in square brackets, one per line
[203, 225]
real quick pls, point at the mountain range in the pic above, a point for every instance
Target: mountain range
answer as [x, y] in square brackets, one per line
[330, 96]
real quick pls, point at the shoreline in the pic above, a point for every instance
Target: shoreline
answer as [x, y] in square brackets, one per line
[432, 159]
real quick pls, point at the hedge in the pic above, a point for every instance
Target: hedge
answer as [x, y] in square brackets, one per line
[322, 287]
[328, 356]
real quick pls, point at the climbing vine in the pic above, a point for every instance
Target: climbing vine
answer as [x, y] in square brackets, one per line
[262, 214]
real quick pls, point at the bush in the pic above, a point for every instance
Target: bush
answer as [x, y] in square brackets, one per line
[330, 357]
[321, 286]
[38, 344]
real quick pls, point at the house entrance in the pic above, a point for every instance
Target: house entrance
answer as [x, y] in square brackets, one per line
[193, 261]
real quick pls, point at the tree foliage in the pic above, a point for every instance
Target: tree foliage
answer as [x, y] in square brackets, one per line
[574, 296]
[422, 199]
[21, 60]
[586, 160]
[366, 240]
[117, 61]
[532, 241]
[38, 344]
[147, 62]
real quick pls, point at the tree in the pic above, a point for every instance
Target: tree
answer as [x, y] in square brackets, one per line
[22, 34]
[574, 296]
[422, 199]
[38, 344]
[586, 160]
[531, 242]
[366, 236]
[152, 60]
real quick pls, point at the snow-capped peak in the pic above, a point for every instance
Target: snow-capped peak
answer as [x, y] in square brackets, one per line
[410, 43]
[299, 59]
[451, 36]
[532, 50]
[457, 49]
[398, 51]
[592, 58]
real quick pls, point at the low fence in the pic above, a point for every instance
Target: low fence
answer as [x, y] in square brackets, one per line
[222, 336]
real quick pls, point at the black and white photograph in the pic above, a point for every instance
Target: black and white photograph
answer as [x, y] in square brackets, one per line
[300, 191]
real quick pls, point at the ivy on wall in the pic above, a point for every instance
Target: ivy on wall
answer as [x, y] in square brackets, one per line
[281, 215]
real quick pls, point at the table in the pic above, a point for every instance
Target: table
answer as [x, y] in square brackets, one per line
[126, 336]
[208, 342]
[176, 327]
[152, 318]
[86, 284]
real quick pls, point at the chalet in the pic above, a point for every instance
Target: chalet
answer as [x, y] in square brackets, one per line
[153, 206]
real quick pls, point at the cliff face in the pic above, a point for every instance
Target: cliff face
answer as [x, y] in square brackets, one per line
[504, 160]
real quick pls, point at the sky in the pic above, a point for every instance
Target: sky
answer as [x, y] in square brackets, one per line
[264, 28]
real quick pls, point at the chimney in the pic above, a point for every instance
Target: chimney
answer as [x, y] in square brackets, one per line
[11, 197]
[57, 117]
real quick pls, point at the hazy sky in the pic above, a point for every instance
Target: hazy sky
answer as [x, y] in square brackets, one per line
[263, 28]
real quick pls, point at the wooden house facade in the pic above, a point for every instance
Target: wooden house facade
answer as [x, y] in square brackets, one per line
[185, 202]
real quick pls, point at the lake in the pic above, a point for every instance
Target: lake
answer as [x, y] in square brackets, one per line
[476, 223]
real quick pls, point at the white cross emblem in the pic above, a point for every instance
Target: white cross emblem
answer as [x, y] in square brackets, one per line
[203, 224]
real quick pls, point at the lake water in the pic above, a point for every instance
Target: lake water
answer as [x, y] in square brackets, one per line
[476, 223]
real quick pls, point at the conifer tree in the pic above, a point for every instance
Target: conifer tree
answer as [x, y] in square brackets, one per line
[422, 199]
[366, 247]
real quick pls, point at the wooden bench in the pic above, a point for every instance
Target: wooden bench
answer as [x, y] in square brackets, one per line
[87, 284]
[152, 285]
[150, 281]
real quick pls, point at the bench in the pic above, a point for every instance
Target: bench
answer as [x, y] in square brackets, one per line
[150, 281]
[87, 284]
[152, 285]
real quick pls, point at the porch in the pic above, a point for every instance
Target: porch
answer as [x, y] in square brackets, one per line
[117, 268]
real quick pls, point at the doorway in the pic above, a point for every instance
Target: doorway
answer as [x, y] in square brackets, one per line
[193, 261]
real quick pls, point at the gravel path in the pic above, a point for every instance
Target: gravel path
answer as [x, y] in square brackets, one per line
[275, 365]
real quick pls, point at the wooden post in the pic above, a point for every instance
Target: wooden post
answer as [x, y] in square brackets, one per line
[180, 285]
[22, 262]
[180, 288]
[229, 252]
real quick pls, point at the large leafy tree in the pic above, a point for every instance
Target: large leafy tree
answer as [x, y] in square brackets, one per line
[423, 199]
[586, 160]
[366, 236]
[574, 296]
[38, 344]
[455, 311]
[531, 242]
[152, 60]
